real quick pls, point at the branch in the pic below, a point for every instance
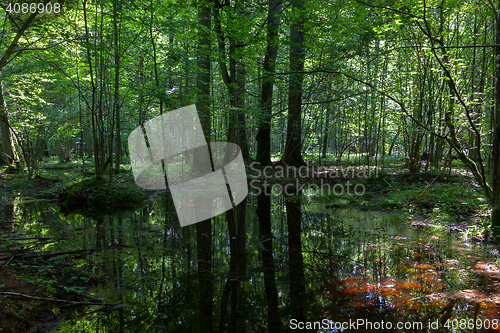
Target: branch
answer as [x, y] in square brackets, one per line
[221, 43]
[444, 168]
[333, 99]
[401, 104]
[495, 11]
[431, 48]
[53, 254]
[48, 47]
[58, 300]
[13, 44]
[57, 67]
[388, 8]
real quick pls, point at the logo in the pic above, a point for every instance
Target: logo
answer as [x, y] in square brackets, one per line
[205, 180]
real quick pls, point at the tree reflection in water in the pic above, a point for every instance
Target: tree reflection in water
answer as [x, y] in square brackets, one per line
[254, 269]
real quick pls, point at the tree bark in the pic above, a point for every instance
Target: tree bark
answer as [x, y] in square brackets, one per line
[8, 152]
[495, 197]
[325, 133]
[234, 79]
[266, 99]
[118, 146]
[204, 228]
[4, 120]
[293, 148]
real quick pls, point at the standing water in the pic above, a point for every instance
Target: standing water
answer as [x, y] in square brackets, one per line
[279, 264]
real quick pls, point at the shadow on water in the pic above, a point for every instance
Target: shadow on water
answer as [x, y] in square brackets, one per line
[274, 264]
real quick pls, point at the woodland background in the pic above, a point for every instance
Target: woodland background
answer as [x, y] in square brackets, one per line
[282, 79]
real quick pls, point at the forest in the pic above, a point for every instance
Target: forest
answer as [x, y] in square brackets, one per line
[364, 195]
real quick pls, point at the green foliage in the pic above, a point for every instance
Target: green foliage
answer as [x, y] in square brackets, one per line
[41, 276]
[440, 199]
[67, 131]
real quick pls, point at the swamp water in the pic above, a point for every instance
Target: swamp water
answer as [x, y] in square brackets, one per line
[285, 264]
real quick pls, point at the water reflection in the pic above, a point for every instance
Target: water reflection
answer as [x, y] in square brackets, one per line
[271, 262]
[268, 266]
[233, 300]
[295, 258]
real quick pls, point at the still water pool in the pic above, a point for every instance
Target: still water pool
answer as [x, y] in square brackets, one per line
[275, 265]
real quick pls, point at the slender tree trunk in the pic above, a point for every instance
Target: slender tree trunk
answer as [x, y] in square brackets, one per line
[155, 58]
[293, 148]
[234, 79]
[204, 228]
[95, 122]
[325, 132]
[8, 152]
[266, 99]
[241, 128]
[116, 102]
[495, 197]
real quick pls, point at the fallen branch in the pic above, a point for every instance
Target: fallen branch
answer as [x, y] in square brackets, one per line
[54, 254]
[8, 262]
[37, 238]
[58, 300]
[444, 168]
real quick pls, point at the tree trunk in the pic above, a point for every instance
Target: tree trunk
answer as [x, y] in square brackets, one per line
[495, 197]
[118, 146]
[8, 152]
[234, 79]
[241, 128]
[266, 99]
[293, 148]
[204, 228]
[97, 133]
[325, 133]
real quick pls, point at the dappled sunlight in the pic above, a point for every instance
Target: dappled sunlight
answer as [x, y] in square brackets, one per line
[422, 285]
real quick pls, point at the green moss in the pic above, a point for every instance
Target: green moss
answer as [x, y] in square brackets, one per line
[449, 198]
[94, 192]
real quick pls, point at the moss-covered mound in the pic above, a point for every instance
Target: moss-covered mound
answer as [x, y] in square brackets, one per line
[94, 192]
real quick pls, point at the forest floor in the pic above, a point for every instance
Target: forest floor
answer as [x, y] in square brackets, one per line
[75, 187]
[37, 293]
[38, 287]
[450, 198]
[33, 289]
